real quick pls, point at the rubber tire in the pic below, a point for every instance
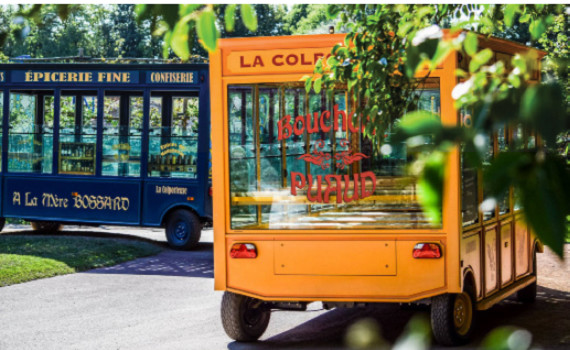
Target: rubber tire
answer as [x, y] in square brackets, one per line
[442, 324]
[234, 308]
[191, 224]
[46, 227]
[2, 223]
[527, 295]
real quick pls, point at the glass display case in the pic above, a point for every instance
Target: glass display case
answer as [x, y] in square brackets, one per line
[77, 158]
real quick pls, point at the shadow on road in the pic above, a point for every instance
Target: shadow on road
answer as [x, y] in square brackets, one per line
[196, 263]
[95, 234]
[547, 319]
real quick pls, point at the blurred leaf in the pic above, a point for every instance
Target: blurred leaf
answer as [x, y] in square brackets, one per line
[229, 17]
[430, 186]
[365, 334]
[545, 192]
[543, 108]
[418, 54]
[510, 12]
[140, 9]
[479, 59]
[417, 335]
[206, 29]
[332, 11]
[179, 40]
[536, 28]
[187, 9]
[470, 43]
[63, 11]
[249, 17]
[524, 18]
[507, 338]
[420, 122]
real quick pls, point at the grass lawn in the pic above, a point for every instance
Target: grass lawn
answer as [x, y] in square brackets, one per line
[25, 258]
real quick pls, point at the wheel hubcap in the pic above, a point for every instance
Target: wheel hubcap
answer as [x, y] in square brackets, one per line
[181, 230]
[462, 313]
[252, 315]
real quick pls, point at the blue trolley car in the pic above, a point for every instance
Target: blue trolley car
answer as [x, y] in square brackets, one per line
[107, 144]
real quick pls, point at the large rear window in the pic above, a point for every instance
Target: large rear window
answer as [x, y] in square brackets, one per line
[298, 161]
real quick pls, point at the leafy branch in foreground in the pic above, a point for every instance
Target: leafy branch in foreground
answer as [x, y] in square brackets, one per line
[379, 62]
[178, 23]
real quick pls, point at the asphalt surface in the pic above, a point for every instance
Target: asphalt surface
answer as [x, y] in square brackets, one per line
[167, 302]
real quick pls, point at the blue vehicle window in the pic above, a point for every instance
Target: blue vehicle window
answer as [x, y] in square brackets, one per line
[122, 130]
[30, 140]
[78, 133]
[173, 137]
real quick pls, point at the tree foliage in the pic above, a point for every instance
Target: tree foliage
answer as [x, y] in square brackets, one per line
[379, 60]
[60, 30]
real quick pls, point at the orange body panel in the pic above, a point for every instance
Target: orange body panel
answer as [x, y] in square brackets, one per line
[345, 265]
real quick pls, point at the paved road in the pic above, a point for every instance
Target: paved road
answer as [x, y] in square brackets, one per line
[167, 302]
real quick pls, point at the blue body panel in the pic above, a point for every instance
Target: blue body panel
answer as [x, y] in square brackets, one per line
[101, 199]
[75, 200]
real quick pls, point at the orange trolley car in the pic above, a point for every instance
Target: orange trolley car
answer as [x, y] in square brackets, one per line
[306, 211]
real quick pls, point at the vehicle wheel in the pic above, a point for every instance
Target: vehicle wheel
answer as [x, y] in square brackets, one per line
[527, 295]
[183, 230]
[244, 318]
[452, 317]
[47, 227]
[2, 222]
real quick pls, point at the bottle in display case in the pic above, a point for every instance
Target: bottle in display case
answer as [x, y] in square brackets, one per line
[77, 158]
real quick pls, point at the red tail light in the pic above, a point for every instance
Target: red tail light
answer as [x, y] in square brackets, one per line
[427, 251]
[243, 251]
[210, 191]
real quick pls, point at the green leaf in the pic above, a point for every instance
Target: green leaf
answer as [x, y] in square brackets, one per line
[249, 17]
[229, 17]
[461, 73]
[308, 84]
[166, 44]
[140, 9]
[524, 18]
[544, 109]
[545, 194]
[510, 12]
[179, 40]
[502, 338]
[536, 28]
[470, 43]
[317, 85]
[207, 31]
[417, 54]
[332, 11]
[319, 66]
[479, 59]
[187, 9]
[430, 186]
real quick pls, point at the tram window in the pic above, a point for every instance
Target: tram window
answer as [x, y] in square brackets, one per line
[469, 182]
[297, 181]
[243, 152]
[296, 145]
[31, 132]
[122, 129]
[173, 137]
[78, 132]
[488, 207]
[503, 146]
